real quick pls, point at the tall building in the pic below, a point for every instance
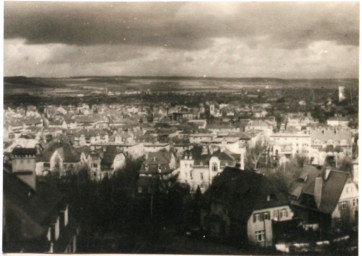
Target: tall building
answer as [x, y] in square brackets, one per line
[341, 93]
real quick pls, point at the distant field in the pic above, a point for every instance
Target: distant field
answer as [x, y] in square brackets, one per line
[93, 85]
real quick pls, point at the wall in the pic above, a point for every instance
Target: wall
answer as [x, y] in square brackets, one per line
[265, 225]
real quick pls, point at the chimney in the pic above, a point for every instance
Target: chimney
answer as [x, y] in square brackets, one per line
[242, 164]
[23, 165]
[318, 191]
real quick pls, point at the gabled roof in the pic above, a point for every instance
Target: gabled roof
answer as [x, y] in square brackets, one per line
[308, 174]
[203, 154]
[242, 192]
[67, 152]
[108, 155]
[157, 162]
[23, 151]
[39, 205]
[331, 189]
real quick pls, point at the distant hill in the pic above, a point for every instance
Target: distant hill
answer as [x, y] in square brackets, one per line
[86, 84]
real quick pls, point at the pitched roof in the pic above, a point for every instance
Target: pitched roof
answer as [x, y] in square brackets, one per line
[331, 133]
[243, 192]
[157, 163]
[23, 151]
[67, 152]
[331, 189]
[39, 205]
[203, 154]
[108, 155]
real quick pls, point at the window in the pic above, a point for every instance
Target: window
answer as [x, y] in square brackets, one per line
[266, 216]
[260, 236]
[191, 175]
[65, 212]
[201, 176]
[275, 214]
[214, 167]
[56, 229]
[284, 213]
[355, 202]
[343, 205]
[139, 189]
[95, 165]
[258, 217]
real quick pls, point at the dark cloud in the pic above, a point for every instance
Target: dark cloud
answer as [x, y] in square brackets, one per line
[181, 25]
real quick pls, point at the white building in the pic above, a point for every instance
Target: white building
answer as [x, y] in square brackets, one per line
[290, 144]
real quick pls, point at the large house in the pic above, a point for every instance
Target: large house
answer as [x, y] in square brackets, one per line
[200, 165]
[102, 160]
[330, 141]
[35, 216]
[289, 145]
[157, 168]
[325, 198]
[244, 206]
[57, 157]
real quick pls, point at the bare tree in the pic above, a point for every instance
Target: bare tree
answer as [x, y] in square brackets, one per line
[254, 154]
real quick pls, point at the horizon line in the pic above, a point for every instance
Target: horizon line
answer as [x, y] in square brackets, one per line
[181, 76]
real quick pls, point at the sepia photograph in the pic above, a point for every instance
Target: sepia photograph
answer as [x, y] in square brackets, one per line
[209, 128]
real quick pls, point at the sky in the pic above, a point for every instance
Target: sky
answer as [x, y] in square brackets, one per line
[213, 39]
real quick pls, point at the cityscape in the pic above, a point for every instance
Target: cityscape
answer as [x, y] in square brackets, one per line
[181, 128]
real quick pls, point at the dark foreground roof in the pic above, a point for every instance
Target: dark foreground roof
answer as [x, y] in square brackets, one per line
[243, 192]
[29, 212]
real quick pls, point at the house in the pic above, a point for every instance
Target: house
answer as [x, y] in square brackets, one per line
[35, 214]
[102, 160]
[290, 144]
[214, 109]
[200, 165]
[112, 160]
[245, 207]
[329, 140]
[57, 157]
[199, 123]
[338, 121]
[157, 167]
[260, 125]
[325, 198]
[201, 137]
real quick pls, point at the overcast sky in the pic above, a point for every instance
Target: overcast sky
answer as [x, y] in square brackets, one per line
[286, 40]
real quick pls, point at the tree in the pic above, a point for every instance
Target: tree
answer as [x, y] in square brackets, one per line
[284, 175]
[254, 154]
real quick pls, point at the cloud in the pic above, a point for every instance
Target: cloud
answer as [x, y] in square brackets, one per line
[230, 57]
[190, 26]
